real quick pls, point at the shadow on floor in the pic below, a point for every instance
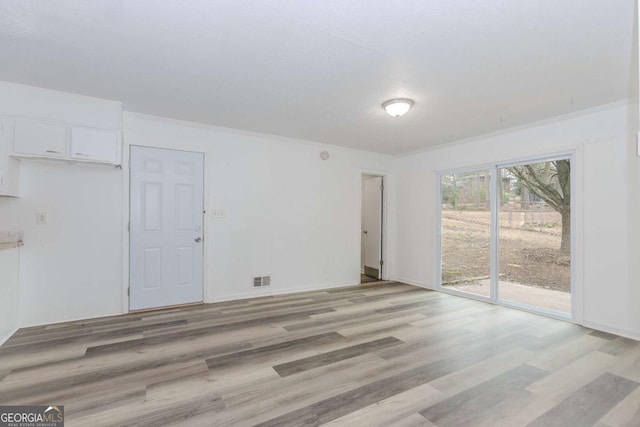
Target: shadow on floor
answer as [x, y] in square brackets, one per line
[367, 279]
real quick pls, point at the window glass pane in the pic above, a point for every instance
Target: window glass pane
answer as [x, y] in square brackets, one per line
[466, 231]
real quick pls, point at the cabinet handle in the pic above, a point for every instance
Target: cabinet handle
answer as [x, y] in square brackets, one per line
[82, 154]
[53, 152]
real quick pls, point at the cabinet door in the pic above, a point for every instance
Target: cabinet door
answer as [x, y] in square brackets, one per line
[95, 145]
[9, 176]
[40, 138]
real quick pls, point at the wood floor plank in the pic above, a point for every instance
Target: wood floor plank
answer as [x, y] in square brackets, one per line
[378, 354]
[413, 420]
[626, 413]
[571, 377]
[587, 405]
[250, 356]
[566, 353]
[390, 410]
[192, 333]
[323, 359]
[344, 403]
[494, 397]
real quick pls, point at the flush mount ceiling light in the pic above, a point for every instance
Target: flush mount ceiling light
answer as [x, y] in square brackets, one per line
[397, 107]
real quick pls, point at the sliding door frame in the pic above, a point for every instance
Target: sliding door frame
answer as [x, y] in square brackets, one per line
[494, 227]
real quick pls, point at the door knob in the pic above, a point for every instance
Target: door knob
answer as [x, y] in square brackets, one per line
[198, 239]
[364, 231]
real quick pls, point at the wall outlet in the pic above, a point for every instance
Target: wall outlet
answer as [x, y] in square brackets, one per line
[217, 213]
[41, 218]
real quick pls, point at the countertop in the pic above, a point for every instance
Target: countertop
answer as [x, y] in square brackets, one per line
[10, 239]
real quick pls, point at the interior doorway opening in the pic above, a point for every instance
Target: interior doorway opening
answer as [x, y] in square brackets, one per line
[371, 236]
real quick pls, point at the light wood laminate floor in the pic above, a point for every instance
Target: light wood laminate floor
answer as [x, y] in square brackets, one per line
[380, 354]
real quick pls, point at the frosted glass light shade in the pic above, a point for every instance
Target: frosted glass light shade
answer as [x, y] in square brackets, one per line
[397, 107]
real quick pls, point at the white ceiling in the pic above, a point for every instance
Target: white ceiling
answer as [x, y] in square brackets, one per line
[319, 70]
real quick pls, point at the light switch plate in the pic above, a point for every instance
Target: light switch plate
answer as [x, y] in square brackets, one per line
[217, 213]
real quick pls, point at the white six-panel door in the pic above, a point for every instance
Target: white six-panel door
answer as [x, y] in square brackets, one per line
[166, 227]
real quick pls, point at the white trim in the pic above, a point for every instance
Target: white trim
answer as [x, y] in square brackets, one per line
[69, 320]
[627, 333]
[578, 266]
[9, 335]
[438, 194]
[499, 132]
[537, 310]
[126, 211]
[510, 305]
[274, 292]
[235, 131]
[126, 161]
[470, 295]
[384, 273]
[55, 122]
[530, 125]
[413, 282]
[494, 236]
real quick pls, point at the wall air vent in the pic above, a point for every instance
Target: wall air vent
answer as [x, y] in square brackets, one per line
[261, 281]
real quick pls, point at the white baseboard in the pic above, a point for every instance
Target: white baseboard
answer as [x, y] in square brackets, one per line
[413, 282]
[245, 295]
[6, 337]
[272, 292]
[634, 335]
[74, 319]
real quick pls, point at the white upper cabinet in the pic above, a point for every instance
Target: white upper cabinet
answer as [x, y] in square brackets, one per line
[46, 124]
[95, 145]
[42, 139]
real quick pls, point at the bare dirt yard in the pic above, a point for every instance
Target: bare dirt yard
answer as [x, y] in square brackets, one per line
[528, 249]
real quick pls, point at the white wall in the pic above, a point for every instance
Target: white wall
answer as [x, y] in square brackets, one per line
[288, 213]
[297, 218]
[71, 267]
[606, 195]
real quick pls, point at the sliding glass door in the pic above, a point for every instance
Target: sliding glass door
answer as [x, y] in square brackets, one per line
[506, 234]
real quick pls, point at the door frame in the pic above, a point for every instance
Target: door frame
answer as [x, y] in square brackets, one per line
[126, 235]
[576, 293]
[384, 268]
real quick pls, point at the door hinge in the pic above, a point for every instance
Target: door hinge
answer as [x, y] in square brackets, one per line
[381, 262]
[381, 187]
[129, 291]
[129, 226]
